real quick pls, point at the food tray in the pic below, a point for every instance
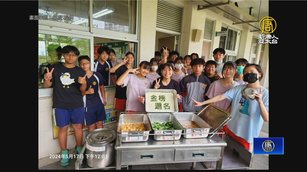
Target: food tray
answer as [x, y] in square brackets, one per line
[215, 117]
[165, 134]
[201, 131]
[133, 136]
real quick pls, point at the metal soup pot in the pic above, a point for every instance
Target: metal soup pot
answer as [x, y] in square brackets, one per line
[100, 147]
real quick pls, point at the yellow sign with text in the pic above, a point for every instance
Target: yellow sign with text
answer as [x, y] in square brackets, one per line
[268, 25]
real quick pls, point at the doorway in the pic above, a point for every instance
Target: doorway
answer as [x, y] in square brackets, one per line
[168, 40]
[206, 51]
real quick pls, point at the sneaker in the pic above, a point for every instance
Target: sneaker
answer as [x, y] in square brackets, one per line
[65, 158]
[78, 149]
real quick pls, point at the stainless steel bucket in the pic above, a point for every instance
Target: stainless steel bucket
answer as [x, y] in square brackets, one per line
[100, 148]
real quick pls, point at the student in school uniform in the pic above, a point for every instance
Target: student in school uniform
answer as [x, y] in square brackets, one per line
[120, 92]
[194, 86]
[94, 96]
[103, 66]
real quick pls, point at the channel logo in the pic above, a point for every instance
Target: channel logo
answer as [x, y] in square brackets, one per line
[269, 145]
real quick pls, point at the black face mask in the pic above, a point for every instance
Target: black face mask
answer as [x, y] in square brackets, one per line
[250, 77]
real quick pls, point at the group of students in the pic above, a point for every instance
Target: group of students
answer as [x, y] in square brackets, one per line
[198, 83]
[79, 93]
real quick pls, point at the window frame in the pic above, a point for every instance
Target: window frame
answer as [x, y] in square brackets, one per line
[97, 31]
[213, 29]
[232, 52]
[47, 92]
[89, 32]
[212, 37]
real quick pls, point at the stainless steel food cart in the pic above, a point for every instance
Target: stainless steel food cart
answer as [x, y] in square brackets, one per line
[140, 148]
[166, 152]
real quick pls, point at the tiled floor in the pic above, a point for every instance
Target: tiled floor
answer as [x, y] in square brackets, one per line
[258, 162]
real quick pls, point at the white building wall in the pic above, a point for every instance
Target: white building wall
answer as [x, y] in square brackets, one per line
[191, 19]
[198, 19]
[245, 44]
[148, 22]
[216, 39]
[186, 29]
[195, 19]
[265, 67]
[46, 144]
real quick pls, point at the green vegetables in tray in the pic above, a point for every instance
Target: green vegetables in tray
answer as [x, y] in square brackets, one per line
[163, 126]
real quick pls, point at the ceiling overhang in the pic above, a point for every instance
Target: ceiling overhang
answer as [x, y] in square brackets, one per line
[234, 12]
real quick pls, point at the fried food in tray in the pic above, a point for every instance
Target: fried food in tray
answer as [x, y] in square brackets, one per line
[132, 127]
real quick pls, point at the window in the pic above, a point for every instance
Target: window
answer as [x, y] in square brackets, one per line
[230, 42]
[47, 45]
[208, 33]
[254, 50]
[230, 58]
[71, 12]
[120, 47]
[119, 15]
[207, 42]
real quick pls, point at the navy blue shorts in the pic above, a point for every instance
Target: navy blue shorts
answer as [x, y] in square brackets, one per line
[64, 117]
[94, 113]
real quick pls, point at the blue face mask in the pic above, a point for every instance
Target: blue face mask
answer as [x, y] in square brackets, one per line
[240, 69]
[219, 62]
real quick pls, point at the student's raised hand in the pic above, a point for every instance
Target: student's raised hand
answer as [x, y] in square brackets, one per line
[90, 90]
[157, 84]
[196, 103]
[164, 53]
[82, 80]
[48, 75]
[135, 70]
[258, 96]
[124, 61]
[141, 99]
